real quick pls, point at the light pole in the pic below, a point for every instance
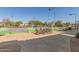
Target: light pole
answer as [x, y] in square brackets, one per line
[50, 9]
[74, 14]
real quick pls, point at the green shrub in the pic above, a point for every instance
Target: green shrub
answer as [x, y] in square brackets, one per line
[37, 32]
[77, 35]
[43, 31]
[1, 34]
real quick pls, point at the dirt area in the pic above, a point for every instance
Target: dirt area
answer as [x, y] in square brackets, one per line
[24, 36]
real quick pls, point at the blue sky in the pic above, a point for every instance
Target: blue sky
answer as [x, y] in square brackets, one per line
[38, 13]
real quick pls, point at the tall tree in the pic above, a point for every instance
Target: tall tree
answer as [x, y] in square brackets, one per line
[67, 24]
[58, 24]
[35, 23]
[17, 23]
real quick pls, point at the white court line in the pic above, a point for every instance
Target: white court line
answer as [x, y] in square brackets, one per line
[68, 35]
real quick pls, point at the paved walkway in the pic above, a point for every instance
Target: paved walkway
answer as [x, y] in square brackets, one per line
[70, 35]
[51, 43]
[56, 43]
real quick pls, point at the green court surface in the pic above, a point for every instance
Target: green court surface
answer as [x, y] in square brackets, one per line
[29, 30]
[2, 29]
